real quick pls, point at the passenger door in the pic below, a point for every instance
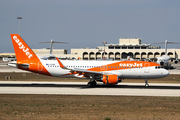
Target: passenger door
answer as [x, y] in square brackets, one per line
[146, 67]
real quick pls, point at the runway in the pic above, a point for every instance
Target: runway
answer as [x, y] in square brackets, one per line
[80, 88]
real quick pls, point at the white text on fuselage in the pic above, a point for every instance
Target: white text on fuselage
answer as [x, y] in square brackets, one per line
[131, 64]
[21, 46]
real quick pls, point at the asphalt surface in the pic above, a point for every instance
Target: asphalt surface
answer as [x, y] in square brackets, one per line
[80, 88]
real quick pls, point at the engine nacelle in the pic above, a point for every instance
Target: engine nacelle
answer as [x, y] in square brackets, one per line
[111, 79]
[176, 61]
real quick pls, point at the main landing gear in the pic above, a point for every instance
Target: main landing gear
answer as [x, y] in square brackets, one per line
[146, 83]
[92, 82]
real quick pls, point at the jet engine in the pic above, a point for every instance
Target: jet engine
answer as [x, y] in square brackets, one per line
[176, 61]
[111, 79]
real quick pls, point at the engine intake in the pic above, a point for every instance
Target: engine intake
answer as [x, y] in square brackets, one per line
[176, 61]
[111, 79]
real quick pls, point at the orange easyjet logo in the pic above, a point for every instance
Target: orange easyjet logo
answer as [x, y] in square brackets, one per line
[21, 46]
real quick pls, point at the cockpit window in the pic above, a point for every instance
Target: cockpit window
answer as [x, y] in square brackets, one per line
[158, 67]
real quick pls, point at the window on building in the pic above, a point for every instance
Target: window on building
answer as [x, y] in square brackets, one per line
[130, 47]
[143, 47]
[111, 47]
[124, 47]
[137, 47]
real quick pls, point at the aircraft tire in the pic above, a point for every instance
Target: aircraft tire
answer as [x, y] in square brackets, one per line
[146, 85]
[91, 84]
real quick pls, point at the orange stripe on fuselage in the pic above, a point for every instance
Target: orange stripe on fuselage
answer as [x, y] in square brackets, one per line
[124, 65]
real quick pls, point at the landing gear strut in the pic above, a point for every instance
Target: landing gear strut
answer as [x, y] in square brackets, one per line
[146, 83]
[92, 82]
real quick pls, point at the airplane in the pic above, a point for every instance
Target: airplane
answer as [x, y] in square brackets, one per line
[164, 60]
[51, 45]
[108, 72]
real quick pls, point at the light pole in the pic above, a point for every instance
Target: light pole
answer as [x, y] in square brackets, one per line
[104, 42]
[19, 23]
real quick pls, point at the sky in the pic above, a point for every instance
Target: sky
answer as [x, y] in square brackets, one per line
[87, 23]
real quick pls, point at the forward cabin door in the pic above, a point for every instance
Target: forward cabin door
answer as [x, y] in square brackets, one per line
[146, 68]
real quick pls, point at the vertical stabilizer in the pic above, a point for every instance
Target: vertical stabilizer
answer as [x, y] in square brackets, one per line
[22, 50]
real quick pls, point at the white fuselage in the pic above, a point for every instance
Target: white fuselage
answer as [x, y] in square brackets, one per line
[54, 69]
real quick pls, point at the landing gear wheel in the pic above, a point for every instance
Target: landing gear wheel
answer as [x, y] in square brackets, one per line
[94, 83]
[91, 84]
[146, 85]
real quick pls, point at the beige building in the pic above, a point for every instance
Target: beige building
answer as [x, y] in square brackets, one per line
[126, 47]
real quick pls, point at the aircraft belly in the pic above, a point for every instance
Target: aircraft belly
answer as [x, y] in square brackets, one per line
[138, 74]
[130, 73]
[58, 72]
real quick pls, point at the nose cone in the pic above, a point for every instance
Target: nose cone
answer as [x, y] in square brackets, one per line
[165, 73]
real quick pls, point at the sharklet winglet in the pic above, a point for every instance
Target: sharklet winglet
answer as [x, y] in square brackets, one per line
[61, 65]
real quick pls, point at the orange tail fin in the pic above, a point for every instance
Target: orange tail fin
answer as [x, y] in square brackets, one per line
[22, 50]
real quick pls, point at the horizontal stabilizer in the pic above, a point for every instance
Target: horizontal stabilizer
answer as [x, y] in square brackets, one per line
[15, 64]
[12, 64]
[55, 42]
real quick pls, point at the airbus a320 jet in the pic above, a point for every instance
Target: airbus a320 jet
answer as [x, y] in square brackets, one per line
[108, 72]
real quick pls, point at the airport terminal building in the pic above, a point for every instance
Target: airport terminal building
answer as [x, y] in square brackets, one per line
[126, 47]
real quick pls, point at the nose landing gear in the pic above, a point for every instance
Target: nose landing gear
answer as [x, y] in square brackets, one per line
[146, 83]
